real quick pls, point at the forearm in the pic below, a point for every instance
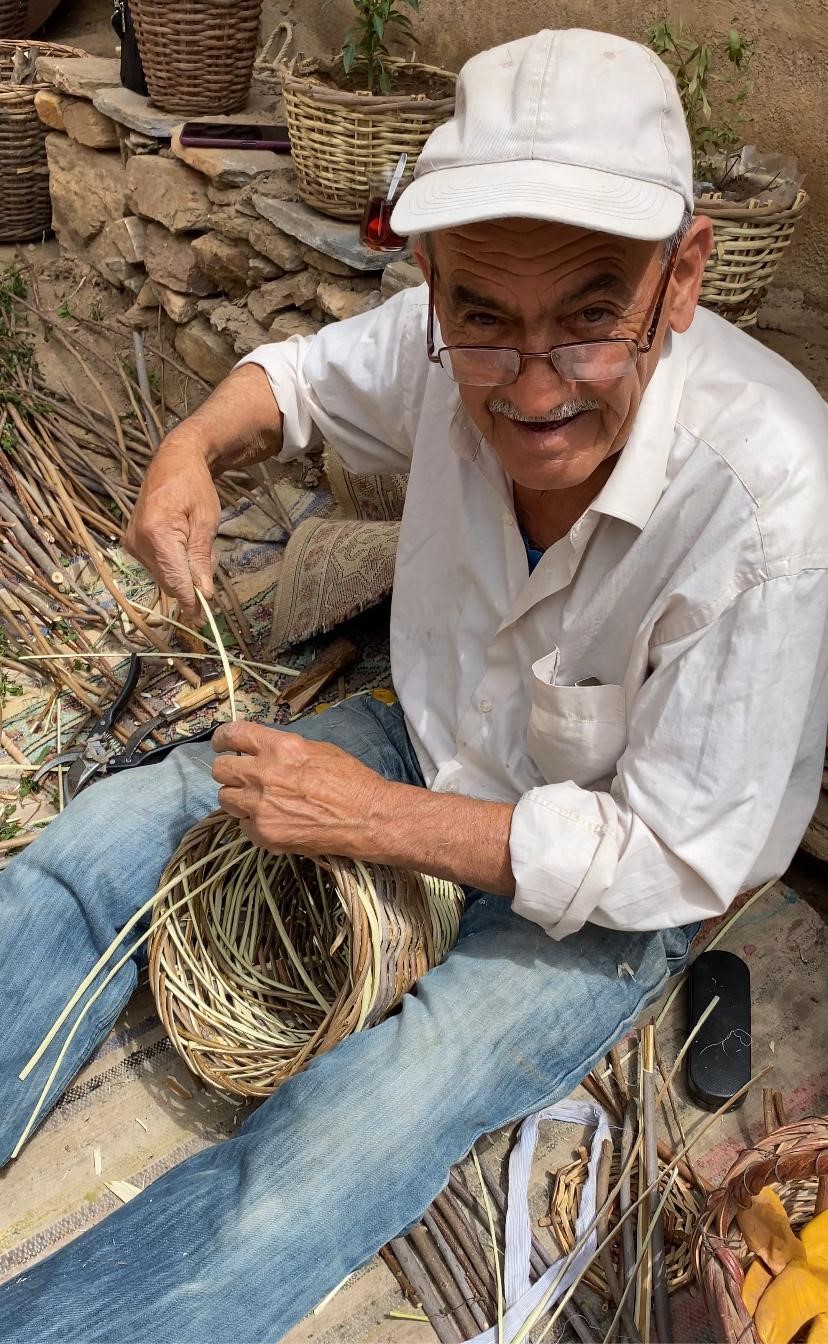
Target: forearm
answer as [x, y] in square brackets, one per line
[239, 423]
[464, 840]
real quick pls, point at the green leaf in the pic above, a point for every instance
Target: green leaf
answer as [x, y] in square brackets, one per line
[379, 26]
[385, 80]
[348, 57]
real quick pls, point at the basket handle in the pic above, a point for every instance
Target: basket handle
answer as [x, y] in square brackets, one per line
[267, 64]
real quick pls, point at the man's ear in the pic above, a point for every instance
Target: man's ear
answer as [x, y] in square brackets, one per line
[688, 270]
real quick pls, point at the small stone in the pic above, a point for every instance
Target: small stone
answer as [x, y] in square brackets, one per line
[166, 191]
[293, 323]
[88, 126]
[130, 237]
[180, 307]
[291, 291]
[204, 351]
[233, 264]
[170, 260]
[79, 76]
[330, 265]
[134, 143]
[237, 324]
[208, 306]
[282, 184]
[226, 167]
[230, 224]
[273, 243]
[223, 195]
[88, 188]
[343, 301]
[139, 316]
[49, 106]
[102, 253]
[400, 275]
[147, 297]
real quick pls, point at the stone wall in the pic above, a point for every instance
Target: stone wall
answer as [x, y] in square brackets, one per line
[192, 231]
[790, 73]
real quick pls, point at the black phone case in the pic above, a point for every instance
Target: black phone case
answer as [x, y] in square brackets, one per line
[719, 1058]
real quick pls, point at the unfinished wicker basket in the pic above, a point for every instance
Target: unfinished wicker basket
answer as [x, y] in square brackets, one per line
[25, 205]
[339, 138]
[197, 54]
[748, 241]
[792, 1159]
[12, 17]
[259, 961]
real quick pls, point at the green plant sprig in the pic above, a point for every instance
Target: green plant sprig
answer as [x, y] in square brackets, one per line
[366, 51]
[716, 124]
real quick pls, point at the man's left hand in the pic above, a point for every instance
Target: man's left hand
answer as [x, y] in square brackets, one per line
[291, 794]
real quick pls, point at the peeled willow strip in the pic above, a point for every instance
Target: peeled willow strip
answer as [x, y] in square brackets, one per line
[228, 675]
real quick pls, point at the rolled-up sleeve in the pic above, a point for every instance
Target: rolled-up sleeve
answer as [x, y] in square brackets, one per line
[358, 384]
[731, 718]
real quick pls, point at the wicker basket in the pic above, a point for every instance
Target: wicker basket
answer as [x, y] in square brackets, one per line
[258, 961]
[197, 54]
[749, 239]
[339, 138]
[791, 1159]
[25, 205]
[12, 18]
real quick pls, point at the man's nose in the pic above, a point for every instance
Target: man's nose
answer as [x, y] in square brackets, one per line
[539, 387]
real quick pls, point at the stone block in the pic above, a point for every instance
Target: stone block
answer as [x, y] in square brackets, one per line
[297, 290]
[180, 307]
[230, 167]
[130, 237]
[88, 188]
[333, 238]
[230, 224]
[79, 76]
[400, 275]
[88, 126]
[147, 296]
[139, 316]
[274, 243]
[223, 195]
[238, 326]
[49, 106]
[328, 265]
[341, 300]
[293, 323]
[166, 191]
[135, 113]
[205, 351]
[232, 263]
[170, 260]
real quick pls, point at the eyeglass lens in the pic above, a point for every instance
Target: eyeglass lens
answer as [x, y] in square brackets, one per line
[593, 362]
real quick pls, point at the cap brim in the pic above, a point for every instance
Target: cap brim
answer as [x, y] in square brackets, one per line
[535, 189]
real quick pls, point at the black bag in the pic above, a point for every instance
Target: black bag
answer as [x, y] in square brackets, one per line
[132, 70]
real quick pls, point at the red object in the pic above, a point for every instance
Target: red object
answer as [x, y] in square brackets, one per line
[375, 231]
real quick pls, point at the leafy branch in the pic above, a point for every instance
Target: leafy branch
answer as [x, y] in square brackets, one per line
[366, 53]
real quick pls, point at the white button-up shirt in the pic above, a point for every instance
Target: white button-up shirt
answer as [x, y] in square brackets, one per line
[694, 589]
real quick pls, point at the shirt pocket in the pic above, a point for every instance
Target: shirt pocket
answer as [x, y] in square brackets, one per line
[575, 733]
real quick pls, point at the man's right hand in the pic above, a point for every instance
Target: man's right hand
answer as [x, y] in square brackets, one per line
[176, 518]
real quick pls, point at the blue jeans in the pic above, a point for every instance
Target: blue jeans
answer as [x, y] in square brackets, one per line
[240, 1241]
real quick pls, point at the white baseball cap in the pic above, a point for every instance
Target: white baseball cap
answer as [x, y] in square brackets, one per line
[573, 126]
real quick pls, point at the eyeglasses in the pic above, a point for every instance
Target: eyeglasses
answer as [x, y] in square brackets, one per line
[576, 361]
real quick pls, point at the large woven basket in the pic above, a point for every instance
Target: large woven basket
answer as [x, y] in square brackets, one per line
[748, 241]
[259, 961]
[340, 138]
[25, 205]
[12, 18]
[197, 54]
[792, 1159]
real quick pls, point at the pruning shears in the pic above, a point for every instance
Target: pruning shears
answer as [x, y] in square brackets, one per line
[103, 755]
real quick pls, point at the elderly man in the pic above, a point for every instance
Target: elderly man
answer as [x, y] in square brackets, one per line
[608, 646]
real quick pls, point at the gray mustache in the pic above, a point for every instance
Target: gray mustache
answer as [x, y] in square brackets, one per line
[497, 406]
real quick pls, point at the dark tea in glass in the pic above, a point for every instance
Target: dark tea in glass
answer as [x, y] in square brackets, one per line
[375, 231]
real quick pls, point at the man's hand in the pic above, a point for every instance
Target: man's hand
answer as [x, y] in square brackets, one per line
[313, 798]
[176, 518]
[290, 794]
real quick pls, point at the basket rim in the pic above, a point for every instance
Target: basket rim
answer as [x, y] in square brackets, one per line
[750, 211]
[298, 76]
[57, 49]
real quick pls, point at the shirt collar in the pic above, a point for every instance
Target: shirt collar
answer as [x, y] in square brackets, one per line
[639, 476]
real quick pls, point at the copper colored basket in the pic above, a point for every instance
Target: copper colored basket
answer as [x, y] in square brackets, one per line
[12, 18]
[794, 1161]
[197, 54]
[748, 242]
[25, 205]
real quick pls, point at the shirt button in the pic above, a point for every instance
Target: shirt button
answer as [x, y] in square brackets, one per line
[509, 519]
[485, 706]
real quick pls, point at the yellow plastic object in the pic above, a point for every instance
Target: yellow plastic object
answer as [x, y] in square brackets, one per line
[766, 1230]
[756, 1281]
[818, 1333]
[814, 1238]
[795, 1297]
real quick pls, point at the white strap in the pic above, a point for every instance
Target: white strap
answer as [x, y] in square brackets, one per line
[521, 1298]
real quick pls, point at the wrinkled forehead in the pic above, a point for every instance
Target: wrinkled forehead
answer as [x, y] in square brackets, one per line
[528, 249]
